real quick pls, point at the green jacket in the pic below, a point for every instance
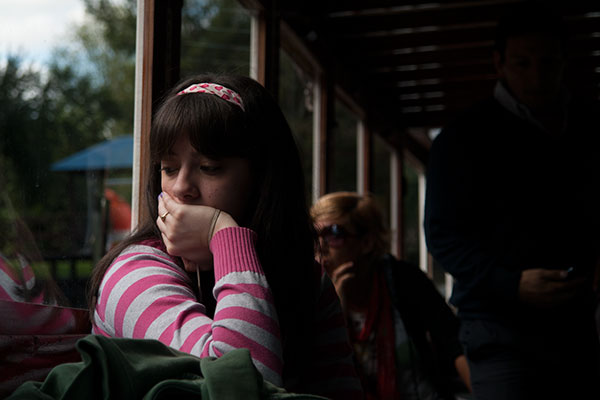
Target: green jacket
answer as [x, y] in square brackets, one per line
[147, 369]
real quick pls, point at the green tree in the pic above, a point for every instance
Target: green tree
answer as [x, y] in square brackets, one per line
[215, 37]
[84, 95]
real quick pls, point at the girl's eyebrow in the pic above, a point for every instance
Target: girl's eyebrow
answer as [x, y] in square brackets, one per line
[170, 154]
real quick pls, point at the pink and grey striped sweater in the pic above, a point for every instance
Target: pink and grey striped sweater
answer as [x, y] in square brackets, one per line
[146, 294]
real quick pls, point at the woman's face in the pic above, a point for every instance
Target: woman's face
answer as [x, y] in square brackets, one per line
[194, 179]
[339, 243]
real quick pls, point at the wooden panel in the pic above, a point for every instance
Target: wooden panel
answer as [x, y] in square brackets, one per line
[269, 40]
[443, 73]
[429, 36]
[448, 54]
[354, 5]
[416, 18]
[32, 357]
[143, 106]
[426, 59]
[34, 338]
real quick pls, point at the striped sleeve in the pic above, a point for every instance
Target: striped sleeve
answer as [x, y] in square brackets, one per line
[333, 374]
[145, 294]
[17, 279]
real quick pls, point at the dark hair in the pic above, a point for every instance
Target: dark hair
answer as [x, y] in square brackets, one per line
[529, 17]
[278, 213]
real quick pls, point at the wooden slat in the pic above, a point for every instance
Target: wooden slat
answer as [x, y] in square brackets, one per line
[414, 19]
[443, 73]
[143, 106]
[270, 40]
[365, 163]
[449, 54]
[361, 5]
[430, 36]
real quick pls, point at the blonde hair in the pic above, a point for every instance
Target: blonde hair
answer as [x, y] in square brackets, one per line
[362, 213]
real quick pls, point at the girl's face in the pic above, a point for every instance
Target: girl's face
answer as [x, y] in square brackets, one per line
[194, 179]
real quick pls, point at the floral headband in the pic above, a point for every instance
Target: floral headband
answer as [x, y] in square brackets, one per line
[216, 89]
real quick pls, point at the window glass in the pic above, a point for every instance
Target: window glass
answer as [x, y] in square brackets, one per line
[411, 213]
[295, 100]
[381, 161]
[66, 120]
[215, 37]
[439, 278]
[343, 156]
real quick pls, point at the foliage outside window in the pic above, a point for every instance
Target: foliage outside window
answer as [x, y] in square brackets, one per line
[215, 37]
[57, 221]
[343, 160]
[295, 100]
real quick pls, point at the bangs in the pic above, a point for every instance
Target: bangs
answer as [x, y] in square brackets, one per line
[214, 127]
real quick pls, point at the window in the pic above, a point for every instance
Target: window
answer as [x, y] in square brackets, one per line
[66, 102]
[296, 102]
[411, 213]
[215, 37]
[344, 154]
[381, 176]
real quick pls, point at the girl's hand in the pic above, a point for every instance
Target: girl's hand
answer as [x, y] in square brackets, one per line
[187, 230]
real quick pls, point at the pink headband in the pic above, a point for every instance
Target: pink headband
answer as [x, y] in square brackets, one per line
[216, 89]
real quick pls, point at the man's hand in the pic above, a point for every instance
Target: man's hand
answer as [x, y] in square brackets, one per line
[546, 288]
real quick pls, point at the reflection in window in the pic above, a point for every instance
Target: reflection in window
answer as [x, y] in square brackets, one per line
[344, 158]
[24, 276]
[295, 100]
[51, 110]
[215, 37]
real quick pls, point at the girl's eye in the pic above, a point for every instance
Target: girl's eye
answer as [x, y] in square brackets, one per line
[168, 170]
[210, 169]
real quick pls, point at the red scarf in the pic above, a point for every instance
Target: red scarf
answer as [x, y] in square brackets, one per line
[379, 317]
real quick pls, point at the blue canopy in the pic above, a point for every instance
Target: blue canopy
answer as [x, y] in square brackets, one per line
[110, 154]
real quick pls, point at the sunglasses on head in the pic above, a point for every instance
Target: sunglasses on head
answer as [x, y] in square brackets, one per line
[334, 232]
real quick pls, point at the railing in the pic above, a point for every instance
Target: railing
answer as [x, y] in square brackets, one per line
[71, 274]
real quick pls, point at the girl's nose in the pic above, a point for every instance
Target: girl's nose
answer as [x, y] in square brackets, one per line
[185, 188]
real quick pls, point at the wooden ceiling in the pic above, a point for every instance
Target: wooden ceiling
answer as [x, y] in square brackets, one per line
[417, 63]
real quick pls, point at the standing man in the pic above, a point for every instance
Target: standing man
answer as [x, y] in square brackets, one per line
[512, 213]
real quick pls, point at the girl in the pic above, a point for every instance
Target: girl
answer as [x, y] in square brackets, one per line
[225, 200]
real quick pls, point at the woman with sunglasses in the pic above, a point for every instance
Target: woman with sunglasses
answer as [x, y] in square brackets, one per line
[403, 332]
